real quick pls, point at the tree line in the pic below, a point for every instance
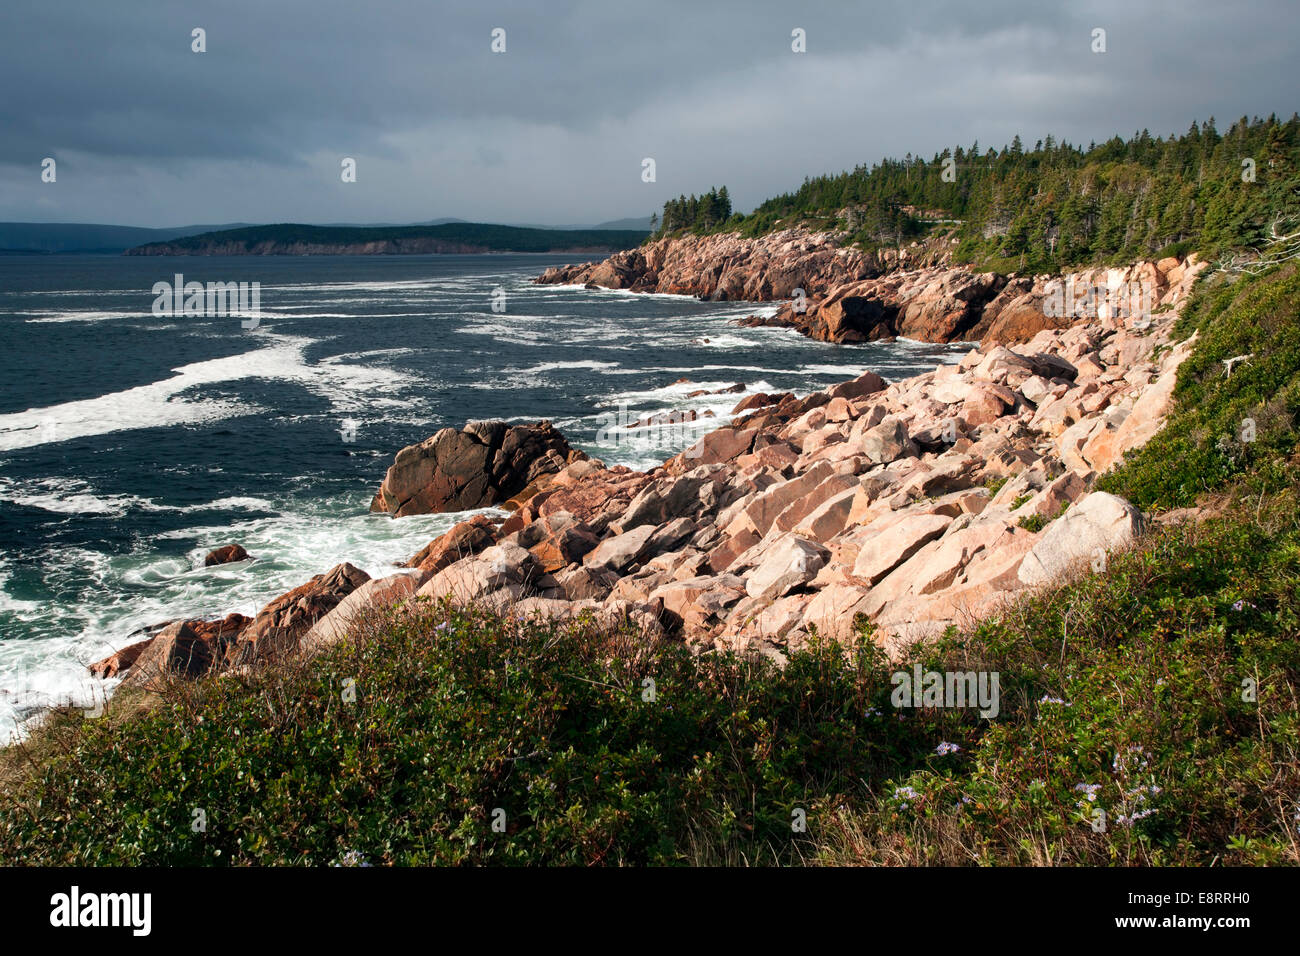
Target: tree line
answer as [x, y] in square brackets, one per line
[1053, 206]
[701, 213]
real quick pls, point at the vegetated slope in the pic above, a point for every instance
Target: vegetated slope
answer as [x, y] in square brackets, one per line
[453, 237]
[1051, 207]
[1161, 691]
[1235, 420]
[1169, 682]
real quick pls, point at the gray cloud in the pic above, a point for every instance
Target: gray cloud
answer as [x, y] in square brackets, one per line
[147, 132]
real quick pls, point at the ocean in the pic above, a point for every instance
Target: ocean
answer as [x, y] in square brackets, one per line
[133, 443]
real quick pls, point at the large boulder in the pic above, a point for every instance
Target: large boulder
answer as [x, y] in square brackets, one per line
[342, 621]
[895, 544]
[562, 544]
[946, 309]
[723, 444]
[505, 570]
[464, 539]
[854, 318]
[1093, 526]
[662, 501]
[484, 464]
[276, 630]
[179, 651]
[121, 661]
[225, 555]
[1021, 319]
[885, 442]
[621, 550]
[791, 563]
[601, 496]
[833, 609]
[868, 383]
[217, 635]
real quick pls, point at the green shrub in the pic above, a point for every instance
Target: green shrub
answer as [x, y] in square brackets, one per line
[1161, 692]
[458, 714]
[1128, 682]
[1035, 522]
[1224, 426]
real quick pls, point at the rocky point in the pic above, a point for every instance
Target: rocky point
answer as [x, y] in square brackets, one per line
[838, 294]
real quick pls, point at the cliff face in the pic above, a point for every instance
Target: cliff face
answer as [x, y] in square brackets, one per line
[727, 266]
[851, 296]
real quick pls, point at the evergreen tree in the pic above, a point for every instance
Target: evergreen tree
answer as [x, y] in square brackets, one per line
[1058, 205]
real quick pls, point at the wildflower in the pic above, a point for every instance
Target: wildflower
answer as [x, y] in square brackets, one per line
[1242, 605]
[946, 748]
[1124, 764]
[1053, 700]
[904, 794]
[1128, 820]
[352, 858]
[1089, 790]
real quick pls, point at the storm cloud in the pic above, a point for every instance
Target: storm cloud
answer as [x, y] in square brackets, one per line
[554, 130]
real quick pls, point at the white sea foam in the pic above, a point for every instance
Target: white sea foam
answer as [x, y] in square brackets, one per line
[102, 598]
[84, 316]
[558, 366]
[141, 589]
[73, 496]
[848, 371]
[348, 388]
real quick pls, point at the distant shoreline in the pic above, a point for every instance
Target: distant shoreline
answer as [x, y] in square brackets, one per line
[291, 239]
[118, 253]
[474, 252]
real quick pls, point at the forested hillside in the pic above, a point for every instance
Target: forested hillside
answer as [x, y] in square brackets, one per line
[468, 237]
[1058, 204]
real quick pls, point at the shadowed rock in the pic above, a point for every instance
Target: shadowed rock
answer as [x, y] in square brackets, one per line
[275, 632]
[484, 464]
[225, 555]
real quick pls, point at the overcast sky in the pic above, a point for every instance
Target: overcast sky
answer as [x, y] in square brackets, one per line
[554, 130]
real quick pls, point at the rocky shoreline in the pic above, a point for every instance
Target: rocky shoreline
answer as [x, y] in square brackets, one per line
[915, 504]
[844, 295]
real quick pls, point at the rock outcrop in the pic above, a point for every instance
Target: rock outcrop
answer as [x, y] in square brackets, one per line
[728, 266]
[275, 632]
[840, 294]
[1098, 524]
[464, 539]
[177, 648]
[340, 622]
[905, 504]
[484, 464]
[913, 505]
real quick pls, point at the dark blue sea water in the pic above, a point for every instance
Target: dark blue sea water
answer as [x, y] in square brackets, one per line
[131, 444]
